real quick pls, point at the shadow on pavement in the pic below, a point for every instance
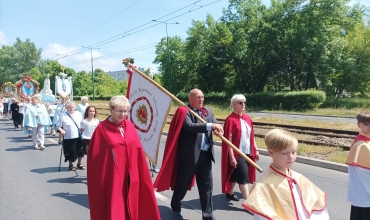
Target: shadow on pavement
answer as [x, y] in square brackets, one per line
[220, 202]
[80, 199]
[45, 170]
[22, 148]
[20, 139]
[165, 212]
[71, 180]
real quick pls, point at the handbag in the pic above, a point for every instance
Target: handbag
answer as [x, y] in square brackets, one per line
[29, 128]
[79, 132]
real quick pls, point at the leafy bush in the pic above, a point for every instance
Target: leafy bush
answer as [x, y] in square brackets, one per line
[78, 98]
[348, 103]
[297, 101]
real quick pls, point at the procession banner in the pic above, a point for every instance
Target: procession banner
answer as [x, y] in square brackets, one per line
[149, 109]
[149, 86]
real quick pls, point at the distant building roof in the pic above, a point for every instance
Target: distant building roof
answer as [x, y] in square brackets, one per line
[118, 75]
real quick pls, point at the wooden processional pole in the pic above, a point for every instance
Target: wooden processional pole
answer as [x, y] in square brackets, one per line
[251, 162]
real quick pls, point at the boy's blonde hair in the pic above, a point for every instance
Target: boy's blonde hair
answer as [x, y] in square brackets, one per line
[363, 117]
[278, 140]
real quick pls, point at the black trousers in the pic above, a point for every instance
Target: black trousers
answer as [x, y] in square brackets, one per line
[359, 213]
[185, 173]
[17, 119]
[5, 111]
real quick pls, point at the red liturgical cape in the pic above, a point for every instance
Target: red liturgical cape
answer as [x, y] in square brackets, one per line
[166, 178]
[361, 137]
[359, 153]
[233, 126]
[118, 179]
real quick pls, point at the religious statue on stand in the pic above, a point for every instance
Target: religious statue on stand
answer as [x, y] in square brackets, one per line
[46, 93]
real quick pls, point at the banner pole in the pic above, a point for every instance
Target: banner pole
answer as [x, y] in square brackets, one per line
[250, 161]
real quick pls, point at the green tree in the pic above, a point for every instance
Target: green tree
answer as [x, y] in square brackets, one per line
[106, 85]
[82, 84]
[18, 59]
[178, 64]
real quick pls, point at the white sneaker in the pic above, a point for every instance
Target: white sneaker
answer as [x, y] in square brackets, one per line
[155, 169]
[42, 147]
[36, 147]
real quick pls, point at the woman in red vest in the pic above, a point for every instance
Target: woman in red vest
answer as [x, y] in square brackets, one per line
[118, 179]
[238, 129]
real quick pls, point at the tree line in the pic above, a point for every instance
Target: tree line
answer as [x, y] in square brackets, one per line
[291, 45]
[24, 58]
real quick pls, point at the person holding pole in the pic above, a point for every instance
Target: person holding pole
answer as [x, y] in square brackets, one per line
[69, 125]
[239, 130]
[189, 154]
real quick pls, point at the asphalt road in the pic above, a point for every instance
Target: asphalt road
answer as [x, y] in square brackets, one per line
[304, 117]
[31, 188]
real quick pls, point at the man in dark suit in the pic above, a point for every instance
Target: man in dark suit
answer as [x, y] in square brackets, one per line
[195, 155]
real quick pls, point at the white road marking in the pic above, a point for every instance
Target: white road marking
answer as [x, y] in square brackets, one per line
[52, 141]
[160, 197]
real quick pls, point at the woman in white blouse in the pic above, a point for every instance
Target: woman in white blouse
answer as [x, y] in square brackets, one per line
[88, 126]
[69, 127]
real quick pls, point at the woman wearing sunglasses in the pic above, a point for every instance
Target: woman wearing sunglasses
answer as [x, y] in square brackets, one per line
[238, 129]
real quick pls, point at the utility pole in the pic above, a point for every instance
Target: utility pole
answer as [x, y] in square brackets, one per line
[168, 53]
[92, 70]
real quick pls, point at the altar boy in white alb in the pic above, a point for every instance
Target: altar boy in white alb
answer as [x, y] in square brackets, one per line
[358, 161]
[281, 193]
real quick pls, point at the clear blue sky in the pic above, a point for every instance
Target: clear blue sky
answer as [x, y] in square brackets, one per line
[57, 26]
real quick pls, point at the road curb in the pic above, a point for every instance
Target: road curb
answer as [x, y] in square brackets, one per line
[305, 160]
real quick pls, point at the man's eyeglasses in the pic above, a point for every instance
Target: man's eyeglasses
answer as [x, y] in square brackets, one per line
[120, 112]
[241, 103]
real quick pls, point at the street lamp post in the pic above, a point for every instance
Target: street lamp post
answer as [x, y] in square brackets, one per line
[168, 53]
[92, 70]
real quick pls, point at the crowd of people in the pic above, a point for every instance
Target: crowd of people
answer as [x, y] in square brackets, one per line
[35, 118]
[119, 182]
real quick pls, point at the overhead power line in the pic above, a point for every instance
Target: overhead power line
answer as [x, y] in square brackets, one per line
[104, 22]
[121, 52]
[120, 35]
[125, 34]
[95, 29]
[118, 53]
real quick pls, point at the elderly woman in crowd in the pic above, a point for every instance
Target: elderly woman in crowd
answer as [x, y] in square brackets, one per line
[35, 119]
[119, 182]
[69, 128]
[238, 129]
[58, 111]
[83, 105]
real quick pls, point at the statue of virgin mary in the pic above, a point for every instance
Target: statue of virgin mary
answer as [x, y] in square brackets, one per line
[46, 93]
